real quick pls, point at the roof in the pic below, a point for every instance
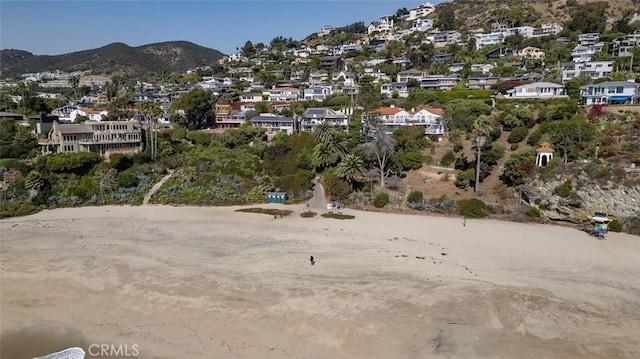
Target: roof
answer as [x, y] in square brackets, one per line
[10, 114]
[388, 110]
[545, 147]
[271, 119]
[66, 129]
[541, 84]
[435, 110]
[92, 111]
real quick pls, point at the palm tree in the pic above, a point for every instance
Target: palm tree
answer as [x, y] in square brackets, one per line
[324, 132]
[482, 128]
[382, 148]
[350, 167]
[328, 153]
[74, 81]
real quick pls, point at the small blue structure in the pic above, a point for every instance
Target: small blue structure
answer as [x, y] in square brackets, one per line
[276, 197]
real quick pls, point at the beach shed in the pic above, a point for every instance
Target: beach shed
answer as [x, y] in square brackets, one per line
[276, 197]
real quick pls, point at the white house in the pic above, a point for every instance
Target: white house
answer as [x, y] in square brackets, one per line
[610, 92]
[389, 89]
[404, 76]
[482, 68]
[274, 123]
[590, 38]
[394, 118]
[484, 40]
[313, 117]
[326, 30]
[547, 29]
[539, 90]
[582, 53]
[422, 10]
[385, 24]
[318, 92]
[593, 69]
[282, 94]
[251, 97]
[422, 25]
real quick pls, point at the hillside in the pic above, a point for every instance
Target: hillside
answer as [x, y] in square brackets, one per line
[114, 59]
[475, 14]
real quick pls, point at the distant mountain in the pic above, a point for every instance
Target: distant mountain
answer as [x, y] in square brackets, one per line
[114, 59]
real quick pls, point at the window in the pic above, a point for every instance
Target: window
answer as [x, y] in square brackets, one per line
[619, 89]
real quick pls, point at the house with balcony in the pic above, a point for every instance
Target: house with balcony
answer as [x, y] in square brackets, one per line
[274, 124]
[439, 82]
[444, 38]
[481, 82]
[537, 90]
[226, 117]
[318, 76]
[404, 76]
[318, 92]
[482, 68]
[422, 25]
[610, 92]
[592, 69]
[587, 39]
[547, 30]
[524, 31]
[377, 74]
[385, 24]
[389, 89]
[531, 52]
[105, 138]
[331, 63]
[326, 30]
[347, 78]
[282, 94]
[430, 118]
[251, 97]
[623, 46]
[493, 38]
[423, 10]
[584, 53]
[313, 117]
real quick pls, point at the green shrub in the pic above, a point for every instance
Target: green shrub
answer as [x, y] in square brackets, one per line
[518, 134]
[337, 188]
[472, 208]
[411, 160]
[381, 199]
[338, 216]
[448, 158]
[66, 162]
[308, 214]
[415, 197]
[564, 190]
[534, 212]
[465, 178]
[127, 179]
[514, 146]
[616, 226]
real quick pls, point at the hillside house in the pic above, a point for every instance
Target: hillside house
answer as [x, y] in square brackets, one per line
[274, 124]
[105, 138]
[393, 118]
[312, 117]
[584, 53]
[610, 92]
[592, 69]
[404, 76]
[538, 90]
[385, 24]
[481, 82]
[623, 46]
[531, 52]
[439, 82]
[399, 88]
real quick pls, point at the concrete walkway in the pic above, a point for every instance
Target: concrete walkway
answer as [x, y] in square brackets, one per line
[156, 187]
[319, 200]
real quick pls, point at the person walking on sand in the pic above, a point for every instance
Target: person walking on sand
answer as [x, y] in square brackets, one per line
[312, 261]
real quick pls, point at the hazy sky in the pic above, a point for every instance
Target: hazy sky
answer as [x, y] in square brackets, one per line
[56, 27]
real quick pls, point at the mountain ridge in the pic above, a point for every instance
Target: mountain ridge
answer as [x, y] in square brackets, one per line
[113, 59]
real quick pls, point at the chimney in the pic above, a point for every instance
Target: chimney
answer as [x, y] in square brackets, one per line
[393, 106]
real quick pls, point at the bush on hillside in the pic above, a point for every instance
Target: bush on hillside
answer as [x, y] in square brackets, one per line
[472, 208]
[415, 197]
[518, 134]
[448, 158]
[564, 190]
[616, 226]
[381, 199]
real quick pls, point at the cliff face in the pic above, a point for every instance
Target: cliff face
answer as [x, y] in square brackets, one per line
[617, 200]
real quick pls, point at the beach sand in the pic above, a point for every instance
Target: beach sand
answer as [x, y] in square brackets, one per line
[200, 282]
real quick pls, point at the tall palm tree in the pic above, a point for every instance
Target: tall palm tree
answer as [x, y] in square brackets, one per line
[482, 128]
[351, 167]
[382, 148]
[324, 132]
[74, 81]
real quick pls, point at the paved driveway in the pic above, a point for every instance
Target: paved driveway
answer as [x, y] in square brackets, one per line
[318, 201]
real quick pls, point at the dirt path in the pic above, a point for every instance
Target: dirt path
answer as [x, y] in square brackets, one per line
[156, 187]
[319, 200]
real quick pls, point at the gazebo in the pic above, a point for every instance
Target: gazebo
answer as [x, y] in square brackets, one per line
[544, 154]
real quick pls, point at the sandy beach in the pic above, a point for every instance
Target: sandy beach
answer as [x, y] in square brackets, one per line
[192, 282]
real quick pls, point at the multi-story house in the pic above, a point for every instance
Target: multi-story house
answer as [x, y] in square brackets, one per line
[347, 78]
[539, 90]
[318, 76]
[531, 52]
[610, 92]
[584, 53]
[423, 10]
[439, 82]
[331, 62]
[593, 69]
[481, 82]
[422, 25]
[282, 94]
[377, 74]
[623, 46]
[547, 29]
[484, 40]
[393, 118]
[326, 30]
[313, 117]
[499, 26]
[319, 92]
[482, 68]
[251, 97]
[384, 25]
[274, 124]
[389, 89]
[404, 76]
[444, 38]
[226, 117]
[104, 137]
[590, 38]
[524, 31]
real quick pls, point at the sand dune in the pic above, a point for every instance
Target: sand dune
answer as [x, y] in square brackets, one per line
[189, 282]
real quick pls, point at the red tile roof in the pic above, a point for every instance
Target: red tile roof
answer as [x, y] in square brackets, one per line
[545, 147]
